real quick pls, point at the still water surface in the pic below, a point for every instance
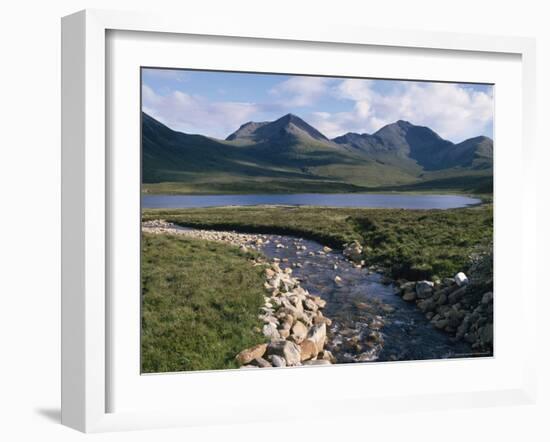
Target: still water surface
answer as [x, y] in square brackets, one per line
[389, 201]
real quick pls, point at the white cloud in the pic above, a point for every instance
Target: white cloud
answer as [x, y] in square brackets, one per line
[453, 111]
[300, 91]
[195, 114]
[354, 89]
[354, 105]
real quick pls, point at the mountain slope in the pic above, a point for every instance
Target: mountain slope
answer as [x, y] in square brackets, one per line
[289, 155]
[168, 155]
[403, 140]
[476, 153]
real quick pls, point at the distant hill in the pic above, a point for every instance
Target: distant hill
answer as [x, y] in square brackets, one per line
[421, 145]
[290, 155]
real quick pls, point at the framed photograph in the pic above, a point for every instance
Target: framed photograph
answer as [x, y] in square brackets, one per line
[332, 213]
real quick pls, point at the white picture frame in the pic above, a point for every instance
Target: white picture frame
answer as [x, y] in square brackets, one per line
[85, 216]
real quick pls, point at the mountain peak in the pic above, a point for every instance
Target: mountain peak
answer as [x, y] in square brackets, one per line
[287, 125]
[291, 118]
[293, 125]
[404, 123]
[246, 130]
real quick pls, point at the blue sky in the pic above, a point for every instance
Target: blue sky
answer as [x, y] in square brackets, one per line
[217, 103]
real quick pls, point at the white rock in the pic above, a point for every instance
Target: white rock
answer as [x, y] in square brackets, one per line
[270, 331]
[299, 332]
[461, 279]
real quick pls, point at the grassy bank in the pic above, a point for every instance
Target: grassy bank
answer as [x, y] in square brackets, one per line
[215, 185]
[200, 302]
[411, 244]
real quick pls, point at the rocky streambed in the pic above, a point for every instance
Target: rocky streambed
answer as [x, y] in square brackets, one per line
[322, 306]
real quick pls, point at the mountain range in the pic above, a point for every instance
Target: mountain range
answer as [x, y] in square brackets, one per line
[290, 155]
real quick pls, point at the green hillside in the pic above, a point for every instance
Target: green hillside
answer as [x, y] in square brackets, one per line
[289, 156]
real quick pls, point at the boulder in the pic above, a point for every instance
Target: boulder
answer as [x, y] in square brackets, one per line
[328, 356]
[455, 318]
[284, 333]
[248, 355]
[407, 285]
[299, 332]
[288, 320]
[409, 296]
[318, 334]
[353, 251]
[337, 279]
[308, 350]
[424, 289]
[320, 319]
[321, 303]
[270, 331]
[261, 362]
[287, 350]
[461, 279]
[310, 305]
[456, 295]
[277, 361]
[426, 305]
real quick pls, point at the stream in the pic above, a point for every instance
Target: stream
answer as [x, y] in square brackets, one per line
[370, 322]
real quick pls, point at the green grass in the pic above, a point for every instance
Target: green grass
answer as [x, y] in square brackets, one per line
[200, 302]
[220, 183]
[217, 186]
[410, 244]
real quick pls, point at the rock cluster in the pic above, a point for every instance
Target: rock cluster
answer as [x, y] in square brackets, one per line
[294, 325]
[353, 252]
[455, 307]
[243, 240]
